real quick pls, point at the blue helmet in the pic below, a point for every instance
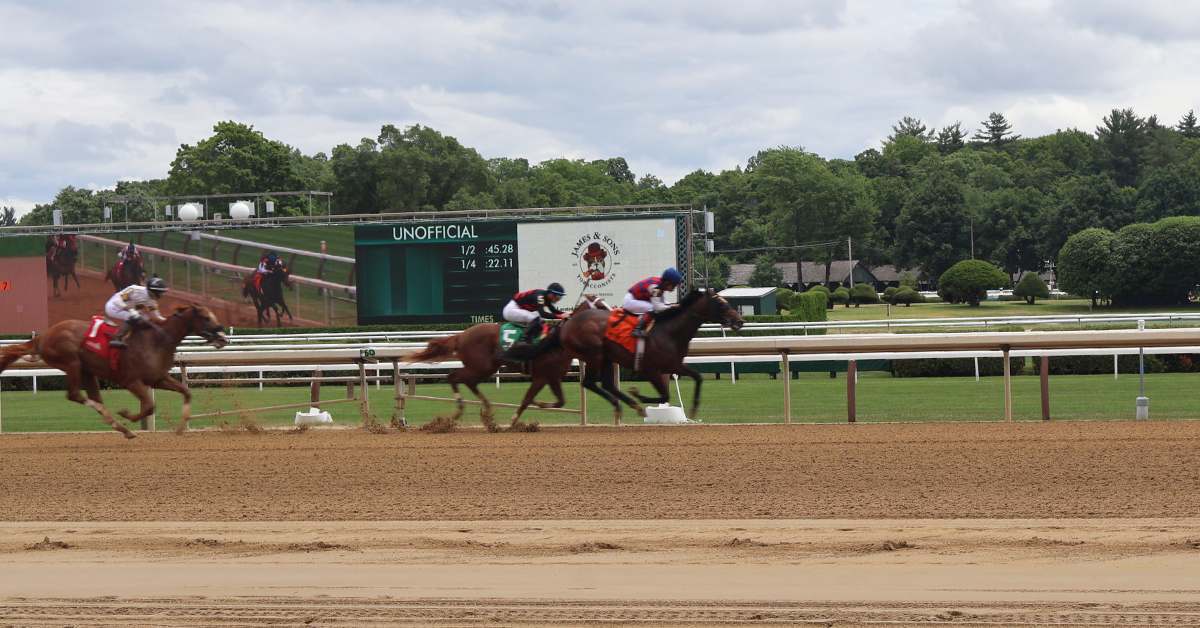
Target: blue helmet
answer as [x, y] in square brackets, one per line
[271, 256]
[556, 289]
[671, 275]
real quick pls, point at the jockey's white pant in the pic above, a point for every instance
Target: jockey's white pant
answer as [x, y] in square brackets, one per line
[513, 313]
[638, 306]
[115, 310]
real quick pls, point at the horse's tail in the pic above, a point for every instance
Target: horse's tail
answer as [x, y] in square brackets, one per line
[437, 348]
[12, 353]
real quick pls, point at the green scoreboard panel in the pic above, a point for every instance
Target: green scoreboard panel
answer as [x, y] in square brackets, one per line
[435, 272]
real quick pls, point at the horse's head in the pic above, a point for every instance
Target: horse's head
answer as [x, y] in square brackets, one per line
[285, 274]
[718, 310]
[202, 322]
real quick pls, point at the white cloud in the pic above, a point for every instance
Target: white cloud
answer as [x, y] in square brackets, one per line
[672, 85]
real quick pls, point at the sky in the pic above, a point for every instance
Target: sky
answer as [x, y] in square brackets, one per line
[96, 92]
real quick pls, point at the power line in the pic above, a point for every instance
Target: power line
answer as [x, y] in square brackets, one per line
[811, 245]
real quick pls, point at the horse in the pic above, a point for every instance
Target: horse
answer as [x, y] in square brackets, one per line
[146, 363]
[131, 272]
[666, 345]
[270, 298]
[61, 258]
[478, 349]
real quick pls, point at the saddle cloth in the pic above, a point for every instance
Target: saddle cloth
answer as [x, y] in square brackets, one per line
[99, 333]
[620, 329]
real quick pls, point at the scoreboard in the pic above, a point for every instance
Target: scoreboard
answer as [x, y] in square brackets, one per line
[429, 272]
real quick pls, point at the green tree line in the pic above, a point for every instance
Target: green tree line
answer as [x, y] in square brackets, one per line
[926, 197]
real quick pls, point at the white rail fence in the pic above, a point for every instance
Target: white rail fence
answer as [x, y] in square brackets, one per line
[786, 349]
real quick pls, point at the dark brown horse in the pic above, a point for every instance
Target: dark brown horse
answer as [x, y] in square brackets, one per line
[270, 298]
[62, 253]
[478, 349]
[583, 336]
[123, 275]
[146, 363]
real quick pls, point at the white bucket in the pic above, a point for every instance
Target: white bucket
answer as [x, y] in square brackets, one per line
[314, 416]
[665, 414]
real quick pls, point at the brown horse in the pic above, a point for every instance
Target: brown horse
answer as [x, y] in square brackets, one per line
[146, 363]
[61, 257]
[583, 336]
[124, 275]
[478, 349]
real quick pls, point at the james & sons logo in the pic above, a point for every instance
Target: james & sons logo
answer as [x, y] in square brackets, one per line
[596, 255]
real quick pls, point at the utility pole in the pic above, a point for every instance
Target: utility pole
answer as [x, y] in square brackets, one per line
[972, 237]
[850, 259]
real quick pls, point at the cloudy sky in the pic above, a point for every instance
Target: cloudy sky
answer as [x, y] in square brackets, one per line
[95, 92]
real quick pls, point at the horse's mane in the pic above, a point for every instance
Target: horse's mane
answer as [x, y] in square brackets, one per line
[690, 299]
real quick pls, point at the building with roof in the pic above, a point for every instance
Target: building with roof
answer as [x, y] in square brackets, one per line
[752, 300]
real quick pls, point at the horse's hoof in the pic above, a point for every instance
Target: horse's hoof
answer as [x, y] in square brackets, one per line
[129, 435]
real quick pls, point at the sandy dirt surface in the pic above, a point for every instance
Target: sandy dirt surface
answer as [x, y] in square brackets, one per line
[967, 524]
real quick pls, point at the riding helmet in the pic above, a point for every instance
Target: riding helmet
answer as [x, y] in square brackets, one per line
[556, 288]
[156, 285]
[671, 275]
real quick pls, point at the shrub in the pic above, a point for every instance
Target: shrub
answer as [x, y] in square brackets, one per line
[785, 299]
[907, 296]
[1085, 264]
[810, 306]
[888, 292]
[1031, 288]
[969, 280]
[841, 295]
[1102, 364]
[863, 293]
[824, 291]
[954, 367]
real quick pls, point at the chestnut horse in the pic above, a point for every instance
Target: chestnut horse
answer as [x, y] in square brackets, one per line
[146, 363]
[478, 349]
[583, 336]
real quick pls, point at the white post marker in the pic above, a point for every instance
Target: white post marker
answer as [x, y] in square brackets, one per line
[1142, 404]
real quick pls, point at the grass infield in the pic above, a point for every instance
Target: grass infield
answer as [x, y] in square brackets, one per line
[753, 399]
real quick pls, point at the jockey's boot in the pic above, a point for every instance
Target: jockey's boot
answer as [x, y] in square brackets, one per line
[118, 339]
[639, 331]
[532, 331]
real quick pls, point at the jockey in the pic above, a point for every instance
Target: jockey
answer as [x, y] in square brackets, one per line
[124, 255]
[531, 306]
[130, 306]
[269, 263]
[646, 296]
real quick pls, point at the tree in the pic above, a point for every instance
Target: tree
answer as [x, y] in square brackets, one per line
[933, 229]
[968, 282]
[1085, 264]
[421, 169]
[8, 217]
[1031, 287]
[1008, 233]
[355, 177]
[1080, 202]
[715, 268]
[766, 274]
[909, 126]
[951, 138]
[995, 131]
[235, 158]
[841, 295]
[1187, 125]
[1121, 140]
[907, 296]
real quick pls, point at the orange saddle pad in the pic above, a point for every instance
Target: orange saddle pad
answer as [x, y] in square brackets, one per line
[620, 329]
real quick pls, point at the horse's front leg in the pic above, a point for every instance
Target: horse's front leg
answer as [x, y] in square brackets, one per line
[170, 383]
[142, 392]
[659, 382]
[698, 379]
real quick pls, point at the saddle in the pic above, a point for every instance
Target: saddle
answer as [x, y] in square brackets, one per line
[99, 333]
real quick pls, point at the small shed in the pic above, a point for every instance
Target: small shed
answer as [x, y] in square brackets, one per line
[752, 300]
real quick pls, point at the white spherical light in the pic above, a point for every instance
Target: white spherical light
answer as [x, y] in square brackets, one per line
[189, 211]
[239, 210]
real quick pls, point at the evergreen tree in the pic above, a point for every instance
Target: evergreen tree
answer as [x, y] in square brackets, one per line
[995, 131]
[1187, 125]
[951, 138]
[1122, 140]
[911, 127]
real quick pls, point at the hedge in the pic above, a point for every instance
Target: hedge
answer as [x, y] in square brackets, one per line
[953, 367]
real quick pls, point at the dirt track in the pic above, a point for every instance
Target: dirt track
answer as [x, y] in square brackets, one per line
[711, 472]
[971, 524]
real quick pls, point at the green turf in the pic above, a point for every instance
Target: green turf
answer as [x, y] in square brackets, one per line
[757, 398]
[1069, 307]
